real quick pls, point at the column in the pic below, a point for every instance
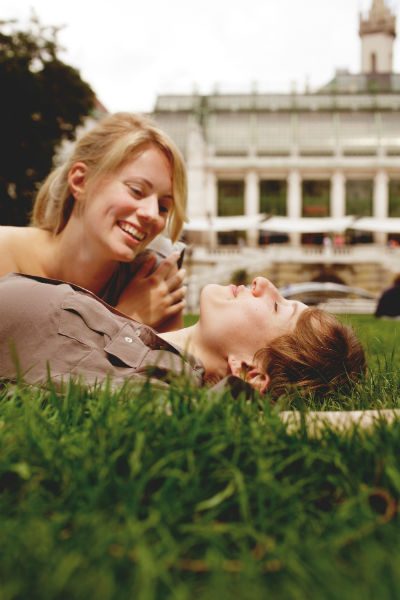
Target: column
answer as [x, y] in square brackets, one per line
[381, 202]
[211, 208]
[252, 204]
[294, 201]
[196, 153]
[338, 195]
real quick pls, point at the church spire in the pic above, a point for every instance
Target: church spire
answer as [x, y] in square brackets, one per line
[379, 11]
[377, 32]
[379, 20]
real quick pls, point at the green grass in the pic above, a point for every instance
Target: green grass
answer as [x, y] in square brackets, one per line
[151, 495]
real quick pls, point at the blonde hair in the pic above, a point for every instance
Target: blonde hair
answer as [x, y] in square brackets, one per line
[321, 355]
[104, 149]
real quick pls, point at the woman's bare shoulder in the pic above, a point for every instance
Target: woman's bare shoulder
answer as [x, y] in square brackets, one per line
[16, 247]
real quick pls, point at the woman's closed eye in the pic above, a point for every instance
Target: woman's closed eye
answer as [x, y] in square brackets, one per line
[136, 191]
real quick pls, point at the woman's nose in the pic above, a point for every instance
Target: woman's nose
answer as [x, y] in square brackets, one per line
[148, 209]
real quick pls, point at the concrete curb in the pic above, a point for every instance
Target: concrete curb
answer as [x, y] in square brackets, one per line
[339, 421]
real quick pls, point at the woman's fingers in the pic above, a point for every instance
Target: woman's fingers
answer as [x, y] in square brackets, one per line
[167, 266]
[178, 295]
[148, 265]
[176, 280]
[154, 296]
[175, 308]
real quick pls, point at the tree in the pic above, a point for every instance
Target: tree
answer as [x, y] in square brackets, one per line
[42, 101]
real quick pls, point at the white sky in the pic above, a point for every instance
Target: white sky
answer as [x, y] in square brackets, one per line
[131, 50]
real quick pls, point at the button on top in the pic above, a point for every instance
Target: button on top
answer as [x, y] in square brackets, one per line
[128, 339]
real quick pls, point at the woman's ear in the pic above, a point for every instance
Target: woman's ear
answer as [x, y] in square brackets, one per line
[249, 373]
[76, 179]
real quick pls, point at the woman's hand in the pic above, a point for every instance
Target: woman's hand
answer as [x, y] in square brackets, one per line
[156, 298]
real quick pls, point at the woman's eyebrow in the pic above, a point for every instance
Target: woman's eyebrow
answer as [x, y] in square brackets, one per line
[150, 185]
[132, 178]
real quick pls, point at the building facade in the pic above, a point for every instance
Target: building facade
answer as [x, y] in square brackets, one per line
[329, 153]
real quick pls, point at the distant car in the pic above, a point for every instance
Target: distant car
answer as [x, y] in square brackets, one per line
[334, 297]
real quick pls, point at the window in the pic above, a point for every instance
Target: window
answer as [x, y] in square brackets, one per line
[316, 133]
[230, 204]
[359, 194]
[373, 62]
[273, 194]
[394, 198]
[230, 198]
[316, 198]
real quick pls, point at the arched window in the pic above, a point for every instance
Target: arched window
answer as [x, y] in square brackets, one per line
[373, 62]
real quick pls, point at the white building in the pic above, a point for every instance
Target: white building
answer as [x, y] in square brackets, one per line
[329, 153]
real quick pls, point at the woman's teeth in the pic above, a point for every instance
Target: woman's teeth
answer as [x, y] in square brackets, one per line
[135, 233]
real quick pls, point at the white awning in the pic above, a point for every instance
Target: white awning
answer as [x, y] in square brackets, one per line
[239, 223]
[289, 225]
[389, 225]
[306, 225]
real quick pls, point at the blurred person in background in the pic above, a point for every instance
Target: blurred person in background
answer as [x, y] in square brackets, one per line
[389, 302]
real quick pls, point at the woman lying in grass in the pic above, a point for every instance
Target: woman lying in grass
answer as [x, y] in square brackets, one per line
[253, 333]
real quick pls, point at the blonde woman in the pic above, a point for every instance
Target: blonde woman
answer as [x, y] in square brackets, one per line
[124, 183]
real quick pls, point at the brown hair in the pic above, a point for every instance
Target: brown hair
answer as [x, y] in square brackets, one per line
[321, 355]
[104, 149]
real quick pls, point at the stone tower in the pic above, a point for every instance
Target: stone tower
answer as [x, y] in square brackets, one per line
[377, 32]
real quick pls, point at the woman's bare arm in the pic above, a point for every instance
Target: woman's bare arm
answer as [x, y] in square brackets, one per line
[9, 242]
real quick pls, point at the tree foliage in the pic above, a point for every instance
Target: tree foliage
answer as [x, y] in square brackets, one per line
[42, 101]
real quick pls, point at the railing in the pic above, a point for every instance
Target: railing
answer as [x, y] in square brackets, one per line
[290, 253]
[217, 266]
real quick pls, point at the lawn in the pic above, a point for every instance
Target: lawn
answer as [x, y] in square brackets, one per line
[150, 495]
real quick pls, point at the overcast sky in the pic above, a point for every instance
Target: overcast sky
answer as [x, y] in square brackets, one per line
[129, 50]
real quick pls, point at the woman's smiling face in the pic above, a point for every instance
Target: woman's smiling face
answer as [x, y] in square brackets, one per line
[125, 210]
[246, 318]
